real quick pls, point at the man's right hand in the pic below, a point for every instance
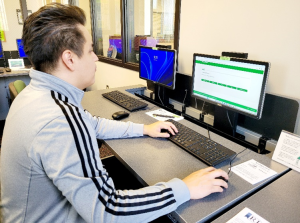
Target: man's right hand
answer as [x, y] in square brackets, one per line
[202, 182]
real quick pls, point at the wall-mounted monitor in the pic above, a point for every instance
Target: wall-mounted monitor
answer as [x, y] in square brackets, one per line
[158, 65]
[235, 84]
[20, 47]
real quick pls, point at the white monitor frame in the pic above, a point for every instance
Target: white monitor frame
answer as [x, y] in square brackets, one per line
[16, 64]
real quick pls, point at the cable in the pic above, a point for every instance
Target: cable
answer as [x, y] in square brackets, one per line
[208, 131]
[202, 107]
[196, 103]
[233, 131]
[159, 96]
[228, 118]
[184, 96]
[203, 119]
[234, 159]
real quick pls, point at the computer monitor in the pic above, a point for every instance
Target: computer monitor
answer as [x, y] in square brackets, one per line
[233, 83]
[1, 51]
[158, 66]
[21, 49]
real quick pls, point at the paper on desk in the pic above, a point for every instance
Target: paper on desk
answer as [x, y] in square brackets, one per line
[164, 113]
[246, 216]
[253, 171]
[287, 151]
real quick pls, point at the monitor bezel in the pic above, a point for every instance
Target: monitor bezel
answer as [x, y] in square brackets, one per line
[174, 66]
[262, 91]
[19, 48]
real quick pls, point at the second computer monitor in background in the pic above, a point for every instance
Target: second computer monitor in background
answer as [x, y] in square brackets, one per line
[235, 84]
[158, 65]
[1, 50]
[21, 49]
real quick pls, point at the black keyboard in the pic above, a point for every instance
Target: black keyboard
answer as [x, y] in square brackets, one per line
[124, 100]
[208, 151]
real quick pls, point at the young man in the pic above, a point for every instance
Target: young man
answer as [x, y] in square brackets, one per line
[51, 170]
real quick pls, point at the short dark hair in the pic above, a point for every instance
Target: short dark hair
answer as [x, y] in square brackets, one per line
[50, 31]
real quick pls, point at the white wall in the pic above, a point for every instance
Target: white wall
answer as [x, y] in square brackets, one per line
[34, 5]
[114, 76]
[14, 29]
[268, 30]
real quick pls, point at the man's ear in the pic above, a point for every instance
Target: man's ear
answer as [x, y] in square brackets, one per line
[68, 59]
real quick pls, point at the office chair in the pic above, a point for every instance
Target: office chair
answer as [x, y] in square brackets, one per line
[15, 88]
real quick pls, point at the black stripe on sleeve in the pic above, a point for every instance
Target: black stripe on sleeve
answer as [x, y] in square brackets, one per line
[94, 179]
[89, 139]
[141, 203]
[82, 138]
[74, 134]
[142, 211]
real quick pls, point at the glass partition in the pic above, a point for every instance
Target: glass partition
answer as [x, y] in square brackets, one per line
[107, 28]
[150, 23]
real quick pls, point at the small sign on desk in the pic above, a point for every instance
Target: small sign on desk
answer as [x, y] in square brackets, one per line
[287, 151]
[247, 216]
[253, 171]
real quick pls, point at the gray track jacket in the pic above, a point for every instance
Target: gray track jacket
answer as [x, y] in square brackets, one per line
[50, 165]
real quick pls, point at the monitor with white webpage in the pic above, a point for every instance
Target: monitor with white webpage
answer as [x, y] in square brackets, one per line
[233, 83]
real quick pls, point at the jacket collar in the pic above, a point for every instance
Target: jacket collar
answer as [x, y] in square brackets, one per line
[44, 81]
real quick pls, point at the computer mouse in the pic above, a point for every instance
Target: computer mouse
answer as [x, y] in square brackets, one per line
[120, 115]
[7, 69]
[222, 178]
[164, 131]
[167, 131]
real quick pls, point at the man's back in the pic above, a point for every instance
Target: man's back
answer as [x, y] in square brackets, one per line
[22, 169]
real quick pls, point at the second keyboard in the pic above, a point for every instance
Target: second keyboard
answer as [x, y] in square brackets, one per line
[124, 100]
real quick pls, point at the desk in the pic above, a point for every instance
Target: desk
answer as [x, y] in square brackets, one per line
[155, 159]
[278, 202]
[5, 79]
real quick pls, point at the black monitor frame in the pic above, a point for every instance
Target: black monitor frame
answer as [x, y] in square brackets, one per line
[174, 66]
[263, 88]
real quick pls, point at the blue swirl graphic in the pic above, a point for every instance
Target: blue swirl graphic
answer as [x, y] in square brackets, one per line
[22, 53]
[157, 65]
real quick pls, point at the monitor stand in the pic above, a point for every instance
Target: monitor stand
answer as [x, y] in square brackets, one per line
[222, 123]
[162, 96]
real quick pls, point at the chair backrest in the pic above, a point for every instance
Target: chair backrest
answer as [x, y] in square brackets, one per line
[15, 88]
[19, 85]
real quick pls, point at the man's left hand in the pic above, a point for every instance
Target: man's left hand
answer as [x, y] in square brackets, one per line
[154, 130]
